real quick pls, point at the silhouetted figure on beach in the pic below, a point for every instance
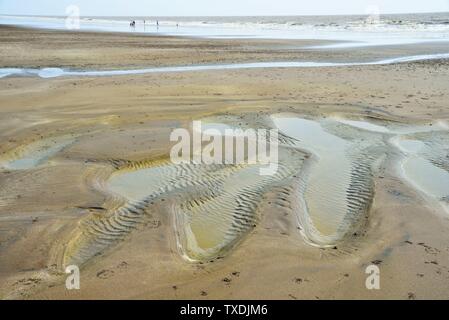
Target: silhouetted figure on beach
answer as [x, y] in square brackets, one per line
[132, 24]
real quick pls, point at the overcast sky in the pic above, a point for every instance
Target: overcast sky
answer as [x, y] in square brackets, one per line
[217, 8]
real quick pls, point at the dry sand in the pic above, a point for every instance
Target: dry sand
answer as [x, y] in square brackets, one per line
[126, 121]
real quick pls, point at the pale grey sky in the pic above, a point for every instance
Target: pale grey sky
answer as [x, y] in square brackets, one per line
[218, 8]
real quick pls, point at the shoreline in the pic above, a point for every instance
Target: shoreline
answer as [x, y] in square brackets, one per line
[414, 28]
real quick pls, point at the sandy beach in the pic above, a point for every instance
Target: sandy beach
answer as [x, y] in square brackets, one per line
[65, 140]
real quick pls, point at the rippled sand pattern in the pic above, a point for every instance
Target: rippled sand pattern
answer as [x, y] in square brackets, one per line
[214, 206]
[210, 227]
[327, 169]
[425, 163]
[336, 186]
[35, 154]
[424, 150]
[326, 176]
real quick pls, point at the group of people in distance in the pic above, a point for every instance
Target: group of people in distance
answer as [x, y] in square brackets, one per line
[133, 23]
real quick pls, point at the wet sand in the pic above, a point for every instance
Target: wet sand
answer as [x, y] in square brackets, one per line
[65, 140]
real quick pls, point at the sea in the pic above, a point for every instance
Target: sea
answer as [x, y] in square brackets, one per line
[348, 30]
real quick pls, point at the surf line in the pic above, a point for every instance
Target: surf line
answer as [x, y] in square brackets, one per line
[59, 72]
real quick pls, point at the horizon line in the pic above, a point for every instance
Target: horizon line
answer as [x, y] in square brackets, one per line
[218, 16]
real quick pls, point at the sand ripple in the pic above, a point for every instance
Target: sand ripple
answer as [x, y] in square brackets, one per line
[326, 178]
[213, 206]
[336, 185]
